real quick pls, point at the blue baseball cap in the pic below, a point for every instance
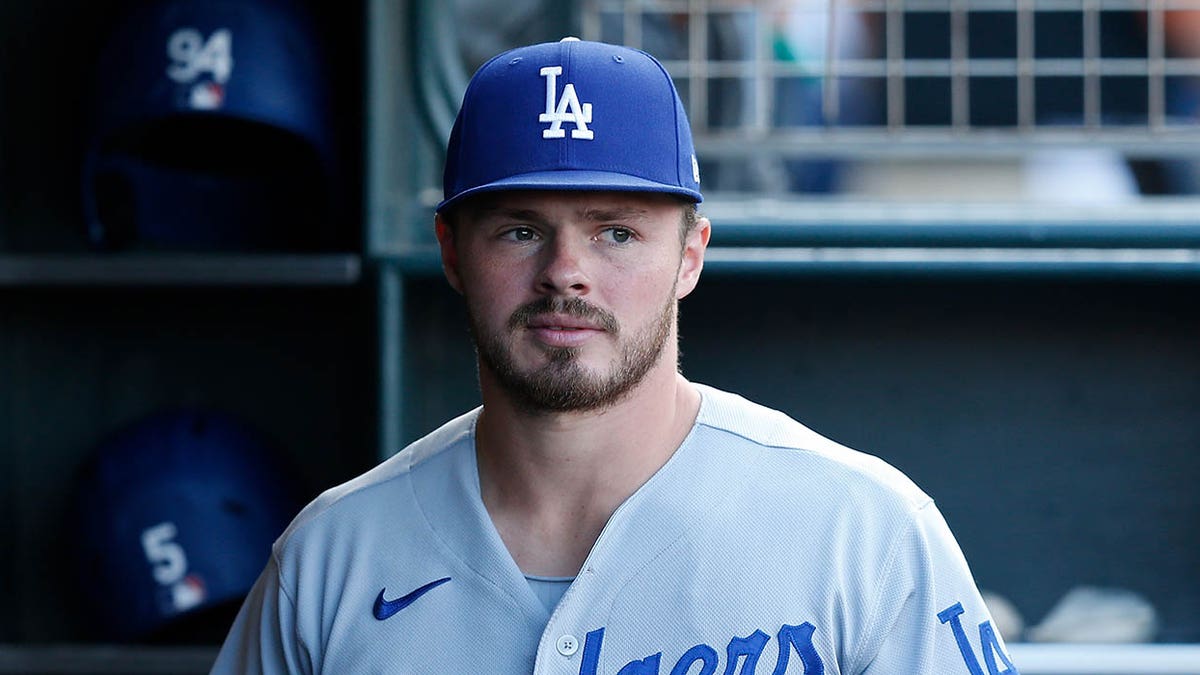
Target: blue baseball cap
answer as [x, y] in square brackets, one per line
[571, 115]
[210, 127]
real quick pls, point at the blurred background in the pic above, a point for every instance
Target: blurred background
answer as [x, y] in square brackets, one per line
[963, 235]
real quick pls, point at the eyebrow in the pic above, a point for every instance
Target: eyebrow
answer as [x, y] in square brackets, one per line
[614, 214]
[513, 214]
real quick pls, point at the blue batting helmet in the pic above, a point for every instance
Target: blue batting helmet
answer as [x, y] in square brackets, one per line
[210, 129]
[176, 517]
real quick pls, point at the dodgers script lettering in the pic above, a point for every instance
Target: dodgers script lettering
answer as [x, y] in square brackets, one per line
[746, 651]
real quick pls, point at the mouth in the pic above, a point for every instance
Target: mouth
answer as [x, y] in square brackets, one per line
[557, 322]
[562, 323]
[563, 331]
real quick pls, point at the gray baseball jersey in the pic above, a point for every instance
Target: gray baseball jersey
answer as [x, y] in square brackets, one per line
[760, 547]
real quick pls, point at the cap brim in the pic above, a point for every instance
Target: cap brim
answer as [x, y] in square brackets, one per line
[577, 181]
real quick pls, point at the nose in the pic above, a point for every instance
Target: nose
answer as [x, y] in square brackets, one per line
[562, 268]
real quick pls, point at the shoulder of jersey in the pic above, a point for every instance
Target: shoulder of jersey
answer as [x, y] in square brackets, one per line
[786, 440]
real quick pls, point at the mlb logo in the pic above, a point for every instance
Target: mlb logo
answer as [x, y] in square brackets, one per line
[188, 593]
[207, 96]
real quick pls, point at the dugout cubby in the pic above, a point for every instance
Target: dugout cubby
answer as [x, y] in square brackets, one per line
[92, 340]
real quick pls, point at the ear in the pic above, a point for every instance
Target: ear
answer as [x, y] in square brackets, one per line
[693, 257]
[445, 237]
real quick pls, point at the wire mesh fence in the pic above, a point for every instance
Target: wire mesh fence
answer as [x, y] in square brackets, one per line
[799, 84]
[959, 64]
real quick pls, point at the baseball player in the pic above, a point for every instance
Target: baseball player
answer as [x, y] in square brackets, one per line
[599, 513]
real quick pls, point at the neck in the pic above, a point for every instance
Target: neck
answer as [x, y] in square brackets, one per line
[551, 481]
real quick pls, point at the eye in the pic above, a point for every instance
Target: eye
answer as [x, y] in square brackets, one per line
[619, 235]
[520, 234]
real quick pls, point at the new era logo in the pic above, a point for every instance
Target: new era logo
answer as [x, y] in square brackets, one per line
[566, 109]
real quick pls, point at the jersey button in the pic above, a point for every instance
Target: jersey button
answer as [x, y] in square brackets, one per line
[567, 645]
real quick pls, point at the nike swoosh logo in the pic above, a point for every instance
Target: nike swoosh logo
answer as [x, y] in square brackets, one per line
[385, 609]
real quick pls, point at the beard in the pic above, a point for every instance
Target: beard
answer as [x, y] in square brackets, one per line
[562, 383]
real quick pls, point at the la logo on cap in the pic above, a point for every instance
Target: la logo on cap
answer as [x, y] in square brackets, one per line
[566, 109]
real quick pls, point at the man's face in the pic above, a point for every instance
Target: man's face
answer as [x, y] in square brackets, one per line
[572, 296]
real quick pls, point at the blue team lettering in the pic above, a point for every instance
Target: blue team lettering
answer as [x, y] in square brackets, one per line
[987, 640]
[741, 655]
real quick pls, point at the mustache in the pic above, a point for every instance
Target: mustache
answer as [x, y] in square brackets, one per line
[573, 307]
